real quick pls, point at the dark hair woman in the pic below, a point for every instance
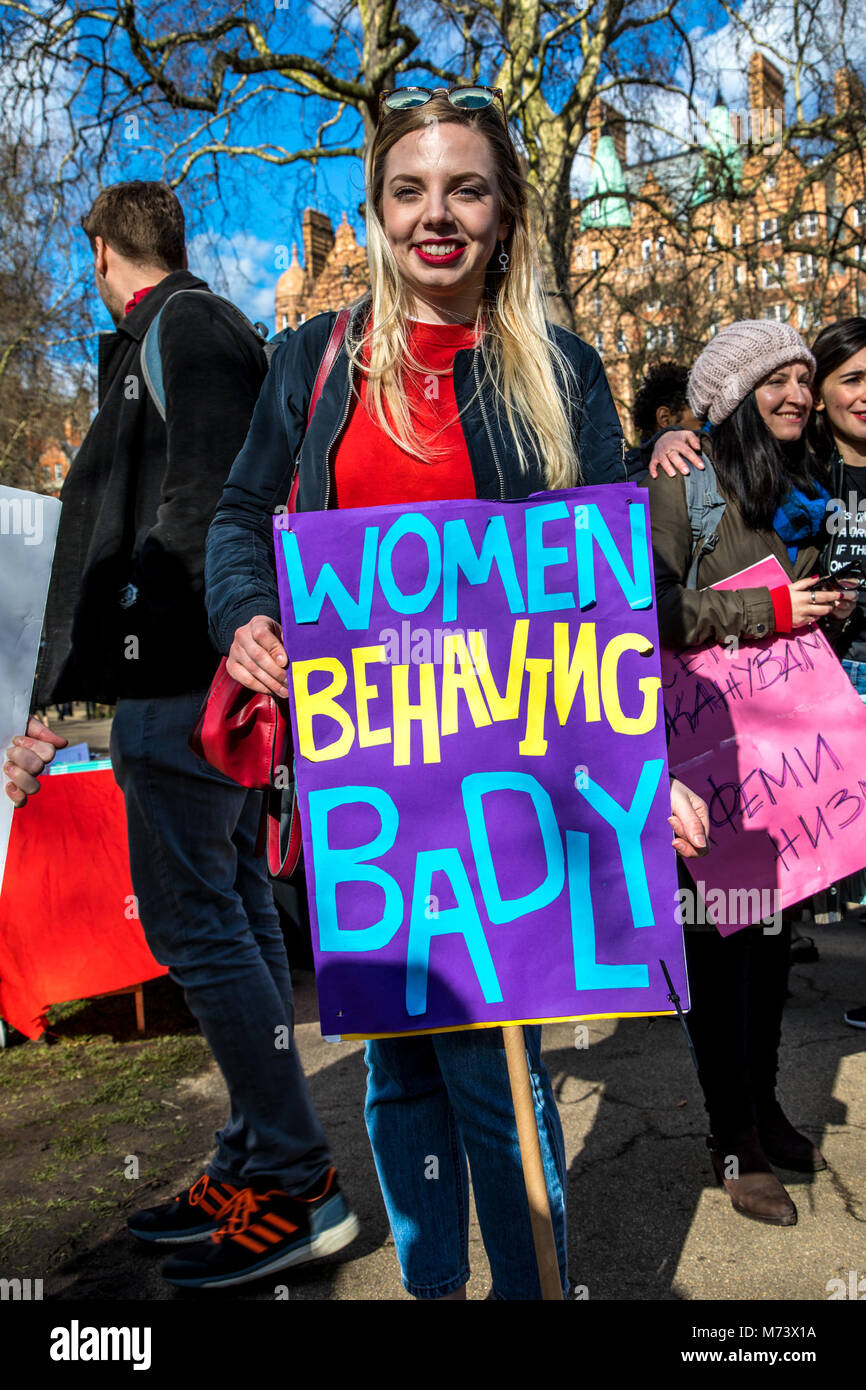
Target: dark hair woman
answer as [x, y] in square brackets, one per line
[753, 382]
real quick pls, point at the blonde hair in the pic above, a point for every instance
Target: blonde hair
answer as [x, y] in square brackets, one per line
[529, 372]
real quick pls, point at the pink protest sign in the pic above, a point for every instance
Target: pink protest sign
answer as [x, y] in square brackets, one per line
[773, 736]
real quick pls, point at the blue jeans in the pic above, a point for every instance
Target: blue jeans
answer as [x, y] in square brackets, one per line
[207, 911]
[433, 1101]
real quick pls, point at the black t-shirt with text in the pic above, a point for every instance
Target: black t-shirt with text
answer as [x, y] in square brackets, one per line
[849, 524]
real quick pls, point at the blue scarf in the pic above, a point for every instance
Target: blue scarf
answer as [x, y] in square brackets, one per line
[800, 519]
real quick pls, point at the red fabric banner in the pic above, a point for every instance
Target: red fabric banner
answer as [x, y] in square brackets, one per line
[69, 926]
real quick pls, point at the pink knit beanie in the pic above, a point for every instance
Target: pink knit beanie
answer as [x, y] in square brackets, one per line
[736, 359]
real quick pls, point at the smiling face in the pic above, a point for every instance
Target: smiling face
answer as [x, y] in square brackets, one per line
[442, 217]
[784, 399]
[842, 397]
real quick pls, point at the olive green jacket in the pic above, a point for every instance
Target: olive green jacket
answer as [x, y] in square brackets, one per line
[688, 617]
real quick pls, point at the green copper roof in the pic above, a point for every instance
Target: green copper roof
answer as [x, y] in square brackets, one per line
[722, 158]
[607, 206]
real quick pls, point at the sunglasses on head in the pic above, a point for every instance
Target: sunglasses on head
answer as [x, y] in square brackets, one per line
[463, 98]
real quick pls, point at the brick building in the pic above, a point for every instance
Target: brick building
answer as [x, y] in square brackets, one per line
[334, 272]
[668, 250]
[737, 227]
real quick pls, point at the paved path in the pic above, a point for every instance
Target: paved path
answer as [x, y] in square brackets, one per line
[646, 1219]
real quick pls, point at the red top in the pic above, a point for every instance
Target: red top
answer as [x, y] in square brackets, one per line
[136, 298]
[370, 470]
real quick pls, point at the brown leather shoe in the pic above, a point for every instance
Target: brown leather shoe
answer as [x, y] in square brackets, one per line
[752, 1186]
[784, 1145]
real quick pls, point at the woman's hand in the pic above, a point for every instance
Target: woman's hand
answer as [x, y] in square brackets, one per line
[690, 821]
[676, 451]
[27, 759]
[258, 659]
[808, 604]
[847, 601]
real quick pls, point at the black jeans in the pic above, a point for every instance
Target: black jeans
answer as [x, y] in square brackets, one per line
[737, 986]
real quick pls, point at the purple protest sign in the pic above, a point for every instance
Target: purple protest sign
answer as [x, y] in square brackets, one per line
[480, 760]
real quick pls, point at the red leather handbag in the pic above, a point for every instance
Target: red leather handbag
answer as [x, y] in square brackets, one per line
[246, 734]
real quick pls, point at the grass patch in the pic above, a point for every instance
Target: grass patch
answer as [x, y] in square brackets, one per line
[64, 1106]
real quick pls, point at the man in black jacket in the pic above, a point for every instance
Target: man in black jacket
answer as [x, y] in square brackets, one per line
[126, 625]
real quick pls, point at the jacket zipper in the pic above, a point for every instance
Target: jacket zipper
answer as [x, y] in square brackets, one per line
[337, 431]
[486, 423]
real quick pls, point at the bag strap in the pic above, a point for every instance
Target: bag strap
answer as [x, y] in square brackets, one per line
[335, 342]
[151, 355]
[706, 508]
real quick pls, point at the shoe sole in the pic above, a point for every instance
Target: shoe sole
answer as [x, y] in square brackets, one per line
[163, 1238]
[328, 1242]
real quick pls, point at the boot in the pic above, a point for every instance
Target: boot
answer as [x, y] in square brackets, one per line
[784, 1145]
[755, 1191]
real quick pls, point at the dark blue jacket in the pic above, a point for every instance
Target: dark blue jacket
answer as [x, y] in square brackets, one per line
[240, 572]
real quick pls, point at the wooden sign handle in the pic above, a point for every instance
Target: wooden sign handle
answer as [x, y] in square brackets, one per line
[530, 1157]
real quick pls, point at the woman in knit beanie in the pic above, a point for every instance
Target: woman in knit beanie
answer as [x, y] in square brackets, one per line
[753, 385]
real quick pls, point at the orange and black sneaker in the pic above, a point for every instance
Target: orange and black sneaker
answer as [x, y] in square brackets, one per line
[190, 1216]
[263, 1231]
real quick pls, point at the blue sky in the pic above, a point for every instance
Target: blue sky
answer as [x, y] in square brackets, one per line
[242, 225]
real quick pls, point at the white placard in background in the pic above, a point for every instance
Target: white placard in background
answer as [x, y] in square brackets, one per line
[28, 532]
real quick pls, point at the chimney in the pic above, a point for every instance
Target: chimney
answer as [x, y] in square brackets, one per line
[601, 115]
[848, 92]
[318, 240]
[766, 101]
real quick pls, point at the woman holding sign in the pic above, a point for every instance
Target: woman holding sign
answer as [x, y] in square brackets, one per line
[753, 382]
[449, 383]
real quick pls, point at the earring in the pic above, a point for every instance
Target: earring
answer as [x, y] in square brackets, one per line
[503, 257]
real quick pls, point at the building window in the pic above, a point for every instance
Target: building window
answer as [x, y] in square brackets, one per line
[811, 224]
[771, 181]
[711, 240]
[770, 229]
[599, 342]
[803, 318]
[347, 271]
[285, 322]
[596, 303]
[805, 268]
[646, 249]
[739, 275]
[737, 234]
[620, 341]
[672, 336]
[660, 249]
[779, 312]
[772, 274]
[713, 282]
[595, 208]
[596, 260]
[714, 328]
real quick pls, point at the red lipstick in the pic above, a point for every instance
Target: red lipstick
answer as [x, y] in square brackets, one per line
[451, 257]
